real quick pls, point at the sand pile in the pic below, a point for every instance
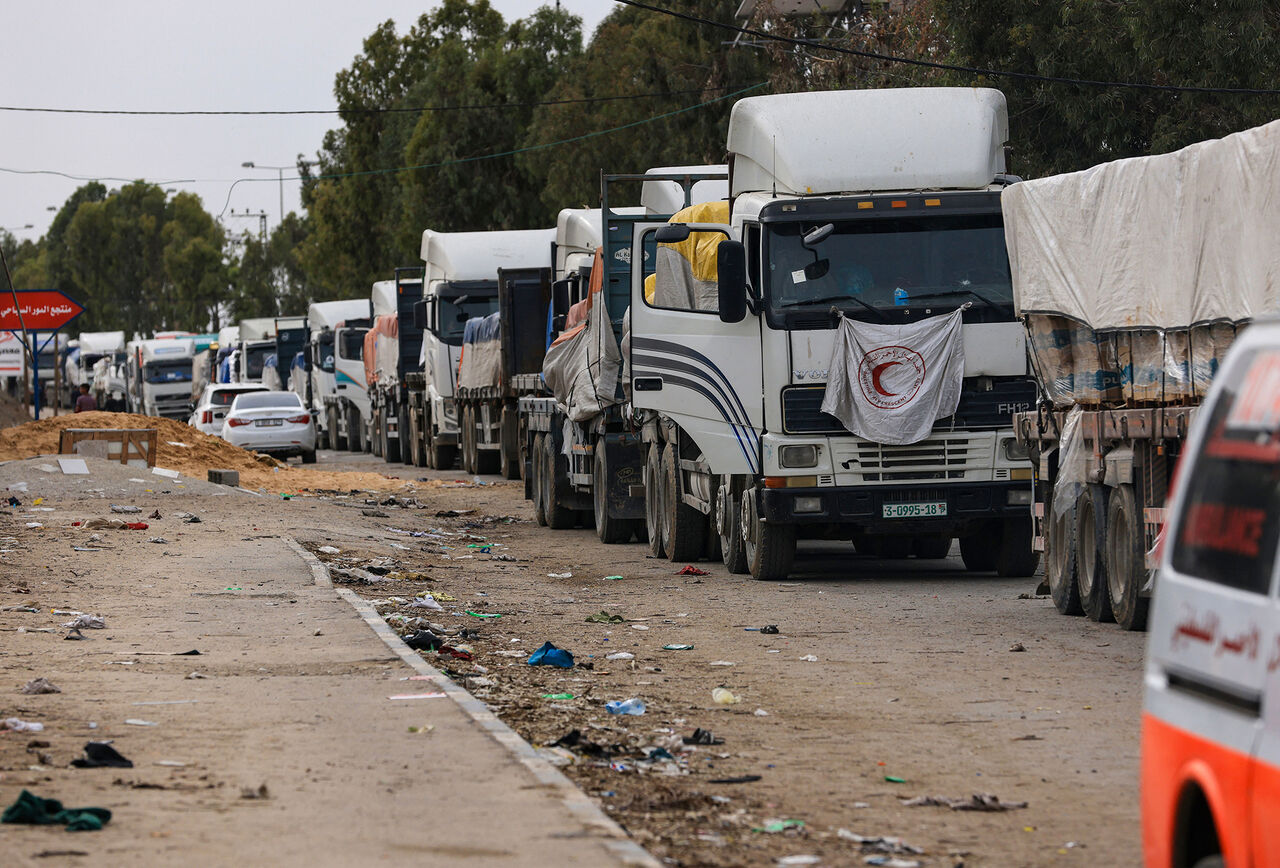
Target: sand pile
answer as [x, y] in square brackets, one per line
[183, 448]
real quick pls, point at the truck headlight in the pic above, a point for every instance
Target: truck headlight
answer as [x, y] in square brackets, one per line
[798, 456]
[1013, 450]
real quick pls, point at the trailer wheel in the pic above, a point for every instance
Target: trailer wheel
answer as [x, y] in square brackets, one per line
[728, 520]
[443, 457]
[486, 460]
[1015, 559]
[558, 517]
[654, 514]
[931, 548]
[610, 530]
[1126, 560]
[336, 442]
[356, 432]
[535, 476]
[1091, 575]
[686, 526]
[978, 551]
[406, 436]
[390, 448]
[509, 455]
[770, 548]
[1060, 558]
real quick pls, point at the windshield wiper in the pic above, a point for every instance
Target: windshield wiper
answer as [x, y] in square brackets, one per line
[944, 293]
[830, 298]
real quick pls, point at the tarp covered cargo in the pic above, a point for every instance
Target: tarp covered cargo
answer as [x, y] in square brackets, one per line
[684, 274]
[481, 364]
[1134, 276]
[582, 366]
[381, 348]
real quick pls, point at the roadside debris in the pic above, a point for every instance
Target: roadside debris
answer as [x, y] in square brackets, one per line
[424, 640]
[87, 622]
[550, 655]
[620, 655]
[724, 696]
[809, 658]
[99, 755]
[134, 721]
[769, 629]
[1017, 646]
[675, 647]
[125, 510]
[33, 810]
[691, 570]
[625, 706]
[975, 802]
[702, 736]
[773, 827]
[14, 724]
[559, 575]
[37, 686]
[603, 617]
[329, 550]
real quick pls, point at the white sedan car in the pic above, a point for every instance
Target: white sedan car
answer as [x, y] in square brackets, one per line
[214, 401]
[272, 422]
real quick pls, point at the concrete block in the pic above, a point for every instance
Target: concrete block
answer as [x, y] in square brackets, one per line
[225, 477]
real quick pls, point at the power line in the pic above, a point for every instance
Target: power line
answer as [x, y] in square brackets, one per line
[413, 110]
[591, 135]
[932, 64]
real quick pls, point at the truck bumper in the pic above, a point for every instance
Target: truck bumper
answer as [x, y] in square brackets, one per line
[966, 503]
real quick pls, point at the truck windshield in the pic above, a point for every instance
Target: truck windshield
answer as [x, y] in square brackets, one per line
[456, 310]
[324, 352]
[171, 371]
[254, 358]
[891, 270]
[351, 344]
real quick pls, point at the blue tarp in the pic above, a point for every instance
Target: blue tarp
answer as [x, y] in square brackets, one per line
[481, 329]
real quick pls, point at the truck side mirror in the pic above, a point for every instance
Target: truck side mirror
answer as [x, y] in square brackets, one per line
[560, 297]
[420, 315]
[731, 274]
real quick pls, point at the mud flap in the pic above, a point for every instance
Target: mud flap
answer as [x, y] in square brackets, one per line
[624, 455]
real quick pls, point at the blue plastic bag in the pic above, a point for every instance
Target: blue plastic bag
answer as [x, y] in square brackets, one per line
[550, 655]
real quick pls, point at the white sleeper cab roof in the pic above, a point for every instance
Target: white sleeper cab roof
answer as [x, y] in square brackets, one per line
[101, 342]
[228, 335]
[384, 298]
[854, 141]
[327, 314]
[258, 329]
[479, 255]
[667, 197]
[167, 348]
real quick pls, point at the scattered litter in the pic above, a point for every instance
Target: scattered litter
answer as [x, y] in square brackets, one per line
[724, 696]
[155, 514]
[550, 655]
[19, 608]
[769, 629]
[259, 792]
[134, 721]
[423, 729]
[355, 575]
[702, 736]
[772, 827]
[559, 696]
[125, 510]
[677, 647]
[741, 779]
[426, 603]
[625, 706]
[75, 635]
[603, 617]
[809, 658]
[73, 466]
[1017, 646]
[760, 712]
[99, 754]
[721, 663]
[424, 640]
[136, 525]
[613, 578]
[158, 540]
[559, 575]
[329, 550]
[691, 570]
[453, 513]
[33, 810]
[639, 626]
[14, 724]
[434, 695]
[502, 558]
[33, 525]
[486, 615]
[892, 862]
[894, 779]
[38, 686]
[87, 622]
[807, 859]
[620, 655]
[165, 472]
[976, 802]
[188, 518]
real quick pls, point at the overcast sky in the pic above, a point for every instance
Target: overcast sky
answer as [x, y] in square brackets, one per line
[152, 55]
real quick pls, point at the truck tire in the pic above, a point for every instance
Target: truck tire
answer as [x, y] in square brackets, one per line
[1015, 559]
[487, 460]
[535, 475]
[931, 548]
[978, 551]
[1126, 559]
[686, 526]
[770, 548]
[1091, 535]
[728, 522]
[509, 460]
[406, 436]
[654, 514]
[336, 441]
[559, 517]
[411, 445]
[1060, 558]
[610, 530]
[356, 432]
[390, 447]
[444, 457]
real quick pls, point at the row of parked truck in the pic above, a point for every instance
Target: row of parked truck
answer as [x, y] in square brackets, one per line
[687, 364]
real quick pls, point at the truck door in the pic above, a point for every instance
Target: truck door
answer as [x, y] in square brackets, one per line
[685, 363]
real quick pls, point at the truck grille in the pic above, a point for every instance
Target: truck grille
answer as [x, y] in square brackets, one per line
[801, 413]
[940, 457]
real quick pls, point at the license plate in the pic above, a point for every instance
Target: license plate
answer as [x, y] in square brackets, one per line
[915, 510]
[269, 423]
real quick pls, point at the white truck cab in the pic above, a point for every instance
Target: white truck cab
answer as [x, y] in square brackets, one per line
[1211, 721]
[160, 371]
[339, 395]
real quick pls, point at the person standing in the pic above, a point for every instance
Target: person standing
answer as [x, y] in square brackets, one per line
[85, 402]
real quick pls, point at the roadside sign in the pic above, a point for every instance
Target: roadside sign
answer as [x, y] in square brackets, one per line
[10, 354]
[43, 310]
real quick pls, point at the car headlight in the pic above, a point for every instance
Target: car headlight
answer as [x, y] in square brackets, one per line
[798, 456]
[1013, 450]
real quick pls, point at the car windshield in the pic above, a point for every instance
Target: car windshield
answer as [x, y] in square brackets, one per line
[869, 268]
[456, 310]
[174, 371]
[224, 397]
[263, 400]
[351, 346]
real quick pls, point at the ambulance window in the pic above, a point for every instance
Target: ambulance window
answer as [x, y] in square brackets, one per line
[1230, 516]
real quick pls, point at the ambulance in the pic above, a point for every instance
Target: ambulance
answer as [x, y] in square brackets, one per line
[1211, 721]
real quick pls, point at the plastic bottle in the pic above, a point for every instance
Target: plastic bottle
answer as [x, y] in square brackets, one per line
[723, 696]
[625, 706]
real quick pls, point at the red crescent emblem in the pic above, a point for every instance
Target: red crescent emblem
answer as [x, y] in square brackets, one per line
[876, 373]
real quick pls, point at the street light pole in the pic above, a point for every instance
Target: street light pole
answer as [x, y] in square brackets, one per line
[250, 164]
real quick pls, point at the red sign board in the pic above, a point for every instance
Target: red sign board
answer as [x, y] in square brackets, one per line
[43, 310]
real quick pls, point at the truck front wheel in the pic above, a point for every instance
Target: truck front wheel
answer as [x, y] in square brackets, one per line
[770, 549]
[1014, 557]
[654, 514]
[728, 518]
[686, 526]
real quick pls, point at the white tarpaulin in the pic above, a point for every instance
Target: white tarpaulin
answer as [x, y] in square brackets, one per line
[890, 383]
[481, 353]
[583, 364]
[1163, 242]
